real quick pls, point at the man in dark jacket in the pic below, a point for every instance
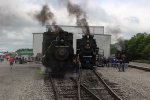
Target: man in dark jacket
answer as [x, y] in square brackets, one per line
[126, 62]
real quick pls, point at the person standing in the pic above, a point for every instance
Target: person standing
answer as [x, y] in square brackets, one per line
[126, 62]
[104, 62]
[120, 64]
[74, 64]
[16, 60]
[11, 61]
[117, 63]
[110, 65]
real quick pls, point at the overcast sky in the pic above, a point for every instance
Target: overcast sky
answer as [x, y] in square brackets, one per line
[123, 18]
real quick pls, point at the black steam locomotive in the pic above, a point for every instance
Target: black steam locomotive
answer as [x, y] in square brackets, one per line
[120, 54]
[57, 52]
[88, 51]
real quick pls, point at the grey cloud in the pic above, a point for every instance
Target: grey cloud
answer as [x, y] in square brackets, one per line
[16, 26]
[97, 13]
[13, 19]
[100, 15]
[132, 19]
[115, 31]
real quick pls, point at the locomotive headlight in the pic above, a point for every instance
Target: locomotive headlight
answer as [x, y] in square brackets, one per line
[88, 36]
[87, 46]
[62, 40]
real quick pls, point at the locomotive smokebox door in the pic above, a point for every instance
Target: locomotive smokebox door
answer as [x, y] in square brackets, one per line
[61, 53]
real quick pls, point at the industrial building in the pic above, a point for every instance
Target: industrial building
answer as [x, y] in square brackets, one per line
[103, 40]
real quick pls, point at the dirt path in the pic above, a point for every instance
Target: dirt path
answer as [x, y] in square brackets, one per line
[20, 83]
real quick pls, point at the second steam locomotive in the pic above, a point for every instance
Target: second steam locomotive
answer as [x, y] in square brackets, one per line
[88, 51]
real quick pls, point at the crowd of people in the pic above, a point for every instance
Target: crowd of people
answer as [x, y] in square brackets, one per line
[120, 63]
[17, 60]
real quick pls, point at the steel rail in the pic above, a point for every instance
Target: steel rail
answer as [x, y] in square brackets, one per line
[93, 95]
[78, 87]
[54, 89]
[140, 68]
[86, 89]
[112, 93]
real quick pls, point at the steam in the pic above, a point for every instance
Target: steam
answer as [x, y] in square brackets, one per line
[114, 30]
[81, 18]
[120, 44]
[56, 28]
[45, 15]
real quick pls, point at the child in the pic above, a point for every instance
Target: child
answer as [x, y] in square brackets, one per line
[11, 60]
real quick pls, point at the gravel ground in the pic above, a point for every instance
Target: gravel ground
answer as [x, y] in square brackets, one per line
[134, 83]
[140, 64]
[23, 82]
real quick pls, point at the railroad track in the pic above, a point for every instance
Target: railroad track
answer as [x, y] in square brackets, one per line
[92, 81]
[89, 86]
[141, 68]
[48, 89]
[66, 89]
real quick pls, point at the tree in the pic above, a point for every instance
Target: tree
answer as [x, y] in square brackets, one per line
[146, 52]
[112, 49]
[25, 51]
[138, 46]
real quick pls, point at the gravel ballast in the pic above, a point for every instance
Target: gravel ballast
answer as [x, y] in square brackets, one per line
[134, 83]
[23, 82]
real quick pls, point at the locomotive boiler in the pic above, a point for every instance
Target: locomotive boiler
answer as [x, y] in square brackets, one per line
[88, 51]
[57, 52]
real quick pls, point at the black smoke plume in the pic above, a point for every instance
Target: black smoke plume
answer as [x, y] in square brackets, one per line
[56, 28]
[81, 18]
[45, 15]
[121, 43]
[115, 31]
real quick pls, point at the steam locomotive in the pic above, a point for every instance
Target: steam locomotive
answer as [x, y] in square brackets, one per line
[120, 54]
[88, 51]
[57, 52]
